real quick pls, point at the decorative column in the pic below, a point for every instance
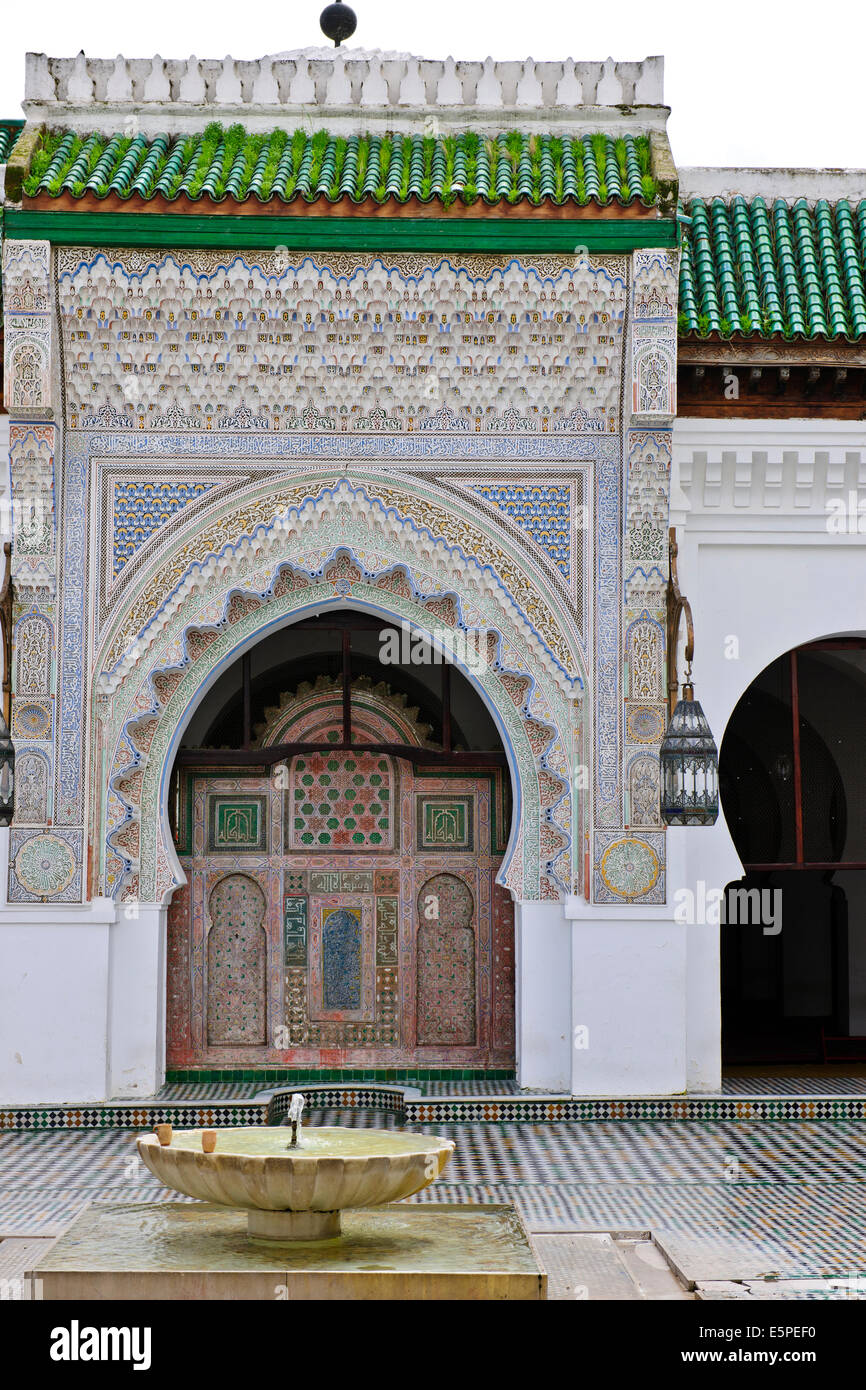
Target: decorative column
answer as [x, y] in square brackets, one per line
[44, 863]
[629, 842]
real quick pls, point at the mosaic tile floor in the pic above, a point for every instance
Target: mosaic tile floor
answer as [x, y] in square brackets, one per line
[816, 1082]
[791, 1200]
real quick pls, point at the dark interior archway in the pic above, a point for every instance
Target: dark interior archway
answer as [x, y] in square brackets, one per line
[792, 773]
[342, 646]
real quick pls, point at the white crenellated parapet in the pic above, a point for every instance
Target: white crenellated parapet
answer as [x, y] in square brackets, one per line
[338, 82]
[797, 475]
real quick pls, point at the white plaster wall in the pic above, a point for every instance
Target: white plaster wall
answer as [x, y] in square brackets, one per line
[624, 1000]
[53, 992]
[749, 500]
[82, 1013]
[643, 985]
[542, 968]
[82, 1000]
[724, 182]
[325, 87]
[645, 990]
[82, 1003]
[54, 973]
[629, 994]
[763, 573]
[707, 857]
[136, 1001]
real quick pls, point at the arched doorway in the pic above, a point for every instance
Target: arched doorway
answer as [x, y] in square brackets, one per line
[793, 788]
[351, 777]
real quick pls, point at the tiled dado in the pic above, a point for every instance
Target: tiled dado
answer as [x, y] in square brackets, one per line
[538, 1109]
[125, 1116]
[413, 1109]
[410, 1076]
[392, 1098]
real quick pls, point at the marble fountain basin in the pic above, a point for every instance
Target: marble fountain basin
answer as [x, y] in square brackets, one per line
[297, 1194]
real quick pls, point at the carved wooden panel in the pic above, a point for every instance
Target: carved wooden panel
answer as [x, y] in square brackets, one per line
[301, 938]
[237, 963]
[446, 964]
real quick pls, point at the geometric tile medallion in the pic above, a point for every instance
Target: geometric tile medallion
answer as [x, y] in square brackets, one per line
[236, 824]
[444, 822]
[645, 723]
[628, 867]
[45, 865]
[341, 802]
[32, 718]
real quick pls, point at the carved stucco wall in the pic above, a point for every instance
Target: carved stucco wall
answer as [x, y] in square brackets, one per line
[46, 858]
[480, 438]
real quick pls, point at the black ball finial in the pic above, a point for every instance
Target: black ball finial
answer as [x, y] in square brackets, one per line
[338, 22]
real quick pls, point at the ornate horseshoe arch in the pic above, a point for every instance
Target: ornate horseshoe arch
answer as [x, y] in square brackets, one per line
[299, 562]
[432, 529]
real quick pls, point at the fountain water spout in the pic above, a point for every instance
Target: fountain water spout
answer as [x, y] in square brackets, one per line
[295, 1107]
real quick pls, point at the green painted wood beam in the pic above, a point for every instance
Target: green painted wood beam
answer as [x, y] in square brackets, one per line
[340, 233]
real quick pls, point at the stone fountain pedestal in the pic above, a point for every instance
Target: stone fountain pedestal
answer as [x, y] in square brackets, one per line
[303, 1226]
[197, 1250]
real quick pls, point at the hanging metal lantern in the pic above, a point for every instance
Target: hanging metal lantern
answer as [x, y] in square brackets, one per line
[7, 774]
[689, 766]
[689, 780]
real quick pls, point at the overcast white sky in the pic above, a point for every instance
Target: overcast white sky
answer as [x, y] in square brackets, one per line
[750, 82]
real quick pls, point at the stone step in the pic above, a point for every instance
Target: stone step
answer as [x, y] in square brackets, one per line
[18, 1255]
[709, 1258]
[584, 1267]
[650, 1270]
[601, 1266]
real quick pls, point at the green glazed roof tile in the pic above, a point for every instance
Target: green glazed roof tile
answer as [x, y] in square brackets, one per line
[221, 164]
[786, 268]
[9, 132]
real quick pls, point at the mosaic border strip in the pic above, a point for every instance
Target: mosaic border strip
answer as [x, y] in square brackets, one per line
[392, 1099]
[538, 1109]
[440, 1110]
[130, 1116]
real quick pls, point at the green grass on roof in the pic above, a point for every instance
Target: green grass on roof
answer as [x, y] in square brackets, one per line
[229, 163]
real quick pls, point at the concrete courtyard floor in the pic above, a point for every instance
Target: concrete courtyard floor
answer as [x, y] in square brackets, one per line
[637, 1210]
